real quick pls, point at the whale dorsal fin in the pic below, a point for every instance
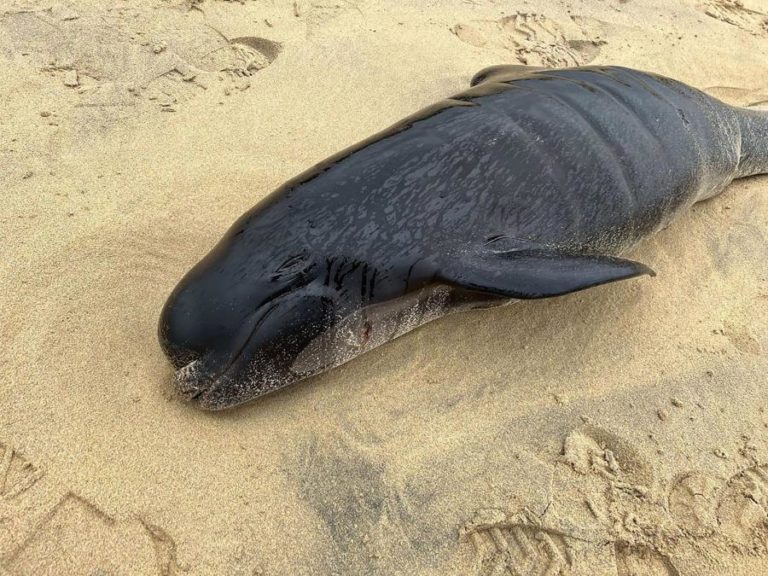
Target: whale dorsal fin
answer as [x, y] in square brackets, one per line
[529, 273]
[503, 73]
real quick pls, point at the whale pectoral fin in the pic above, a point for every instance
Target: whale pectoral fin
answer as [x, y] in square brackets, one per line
[503, 73]
[536, 273]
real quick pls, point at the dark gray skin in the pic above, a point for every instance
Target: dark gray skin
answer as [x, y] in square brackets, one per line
[525, 186]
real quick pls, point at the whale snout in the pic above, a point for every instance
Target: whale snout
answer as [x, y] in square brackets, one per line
[196, 385]
[191, 381]
[195, 323]
[225, 354]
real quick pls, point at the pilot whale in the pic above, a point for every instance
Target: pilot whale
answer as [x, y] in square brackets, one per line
[529, 184]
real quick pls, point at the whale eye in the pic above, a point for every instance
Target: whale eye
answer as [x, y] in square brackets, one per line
[292, 266]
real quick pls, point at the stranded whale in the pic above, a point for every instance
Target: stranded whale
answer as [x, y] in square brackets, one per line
[527, 185]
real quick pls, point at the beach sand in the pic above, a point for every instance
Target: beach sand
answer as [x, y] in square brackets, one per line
[617, 431]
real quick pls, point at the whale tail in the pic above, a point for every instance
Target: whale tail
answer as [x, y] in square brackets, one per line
[754, 142]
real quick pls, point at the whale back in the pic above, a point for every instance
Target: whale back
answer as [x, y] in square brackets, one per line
[590, 159]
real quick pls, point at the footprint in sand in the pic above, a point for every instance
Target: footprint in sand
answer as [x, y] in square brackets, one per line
[742, 339]
[535, 39]
[517, 546]
[73, 536]
[734, 12]
[557, 542]
[17, 474]
[641, 560]
[315, 14]
[593, 450]
[128, 54]
[693, 503]
[743, 510]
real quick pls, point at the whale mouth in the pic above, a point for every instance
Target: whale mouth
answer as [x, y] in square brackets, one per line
[196, 382]
[258, 358]
[194, 385]
[191, 381]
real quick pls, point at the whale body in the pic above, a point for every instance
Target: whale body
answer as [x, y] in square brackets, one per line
[530, 184]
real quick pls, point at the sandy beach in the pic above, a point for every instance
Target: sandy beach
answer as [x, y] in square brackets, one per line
[618, 431]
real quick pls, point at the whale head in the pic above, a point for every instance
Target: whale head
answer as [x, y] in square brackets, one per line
[235, 325]
[263, 310]
[229, 344]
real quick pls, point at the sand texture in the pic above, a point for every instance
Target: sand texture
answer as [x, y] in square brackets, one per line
[614, 432]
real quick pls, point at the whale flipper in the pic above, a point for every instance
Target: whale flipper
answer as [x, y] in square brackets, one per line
[535, 273]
